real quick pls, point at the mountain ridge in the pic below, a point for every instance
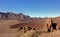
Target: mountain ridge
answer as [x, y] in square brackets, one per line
[13, 16]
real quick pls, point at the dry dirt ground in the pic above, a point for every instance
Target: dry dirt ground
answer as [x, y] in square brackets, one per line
[5, 31]
[52, 34]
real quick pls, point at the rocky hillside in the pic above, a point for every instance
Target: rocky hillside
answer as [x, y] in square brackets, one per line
[11, 27]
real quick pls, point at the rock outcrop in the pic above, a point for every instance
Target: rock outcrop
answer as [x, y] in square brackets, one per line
[50, 25]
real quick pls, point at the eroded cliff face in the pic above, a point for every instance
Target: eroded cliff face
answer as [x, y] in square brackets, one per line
[50, 25]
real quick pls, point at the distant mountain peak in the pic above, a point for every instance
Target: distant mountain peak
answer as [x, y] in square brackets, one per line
[13, 16]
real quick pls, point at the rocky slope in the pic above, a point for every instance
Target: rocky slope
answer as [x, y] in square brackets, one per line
[10, 23]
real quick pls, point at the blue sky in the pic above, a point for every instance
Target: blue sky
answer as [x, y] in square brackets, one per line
[33, 8]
